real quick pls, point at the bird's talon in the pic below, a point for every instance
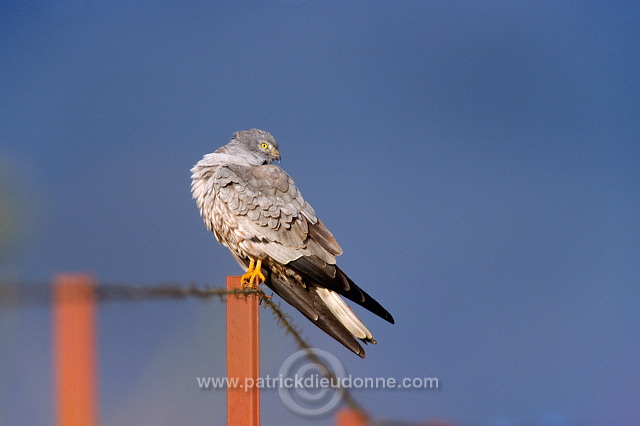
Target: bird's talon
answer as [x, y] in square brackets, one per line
[254, 276]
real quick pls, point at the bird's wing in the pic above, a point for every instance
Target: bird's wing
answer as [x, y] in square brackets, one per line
[269, 207]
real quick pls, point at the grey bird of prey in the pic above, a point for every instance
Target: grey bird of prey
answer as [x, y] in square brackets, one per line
[255, 209]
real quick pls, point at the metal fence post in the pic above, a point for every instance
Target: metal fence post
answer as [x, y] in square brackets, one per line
[243, 357]
[74, 349]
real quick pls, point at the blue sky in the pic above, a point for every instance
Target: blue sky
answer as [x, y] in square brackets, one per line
[477, 161]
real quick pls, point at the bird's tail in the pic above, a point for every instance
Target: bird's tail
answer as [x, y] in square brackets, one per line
[344, 314]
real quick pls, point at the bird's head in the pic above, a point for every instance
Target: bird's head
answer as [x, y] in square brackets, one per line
[257, 143]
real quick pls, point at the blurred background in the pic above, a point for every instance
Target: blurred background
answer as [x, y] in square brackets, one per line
[477, 161]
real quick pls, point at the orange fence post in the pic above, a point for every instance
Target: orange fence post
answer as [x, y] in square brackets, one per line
[350, 417]
[243, 357]
[74, 349]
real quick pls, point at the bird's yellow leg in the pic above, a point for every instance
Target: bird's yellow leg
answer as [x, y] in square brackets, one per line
[253, 273]
[249, 270]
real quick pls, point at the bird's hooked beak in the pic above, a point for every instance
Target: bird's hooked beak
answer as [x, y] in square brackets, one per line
[275, 153]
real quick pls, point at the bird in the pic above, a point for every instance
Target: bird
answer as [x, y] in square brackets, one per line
[254, 208]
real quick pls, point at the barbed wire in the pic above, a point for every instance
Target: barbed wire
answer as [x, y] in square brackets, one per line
[285, 322]
[14, 294]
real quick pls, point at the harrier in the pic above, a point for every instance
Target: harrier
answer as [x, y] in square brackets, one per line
[255, 209]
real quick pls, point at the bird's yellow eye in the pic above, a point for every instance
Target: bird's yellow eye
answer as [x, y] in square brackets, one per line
[264, 145]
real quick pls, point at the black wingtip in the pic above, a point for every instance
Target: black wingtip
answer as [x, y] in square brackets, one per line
[333, 278]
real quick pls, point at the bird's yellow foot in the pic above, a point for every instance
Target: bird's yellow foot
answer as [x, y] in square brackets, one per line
[253, 276]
